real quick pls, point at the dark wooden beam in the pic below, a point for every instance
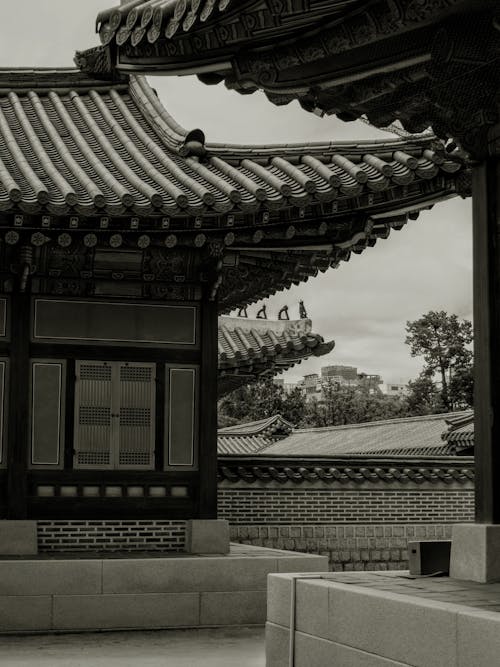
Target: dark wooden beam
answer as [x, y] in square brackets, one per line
[18, 407]
[208, 410]
[486, 257]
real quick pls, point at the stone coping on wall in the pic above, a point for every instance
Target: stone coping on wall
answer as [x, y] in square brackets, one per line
[382, 619]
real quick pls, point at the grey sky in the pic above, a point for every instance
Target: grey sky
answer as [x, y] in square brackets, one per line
[364, 304]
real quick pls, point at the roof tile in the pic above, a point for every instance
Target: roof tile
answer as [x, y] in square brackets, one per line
[75, 143]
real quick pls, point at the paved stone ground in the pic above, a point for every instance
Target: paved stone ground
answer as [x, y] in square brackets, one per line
[228, 647]
[442, 589]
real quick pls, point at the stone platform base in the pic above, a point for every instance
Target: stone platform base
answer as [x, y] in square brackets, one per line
[381, 619]
[64, 594]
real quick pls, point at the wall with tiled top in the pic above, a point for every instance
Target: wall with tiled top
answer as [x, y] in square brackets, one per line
[355, 529]
[348, 547]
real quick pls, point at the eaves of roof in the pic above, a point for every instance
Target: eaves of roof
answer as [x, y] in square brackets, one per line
[460, 433]
[76, 145]
[146, 22]
[243, 343]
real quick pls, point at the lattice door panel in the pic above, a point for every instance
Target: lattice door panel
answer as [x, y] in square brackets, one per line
[93, 414]
[137, 415]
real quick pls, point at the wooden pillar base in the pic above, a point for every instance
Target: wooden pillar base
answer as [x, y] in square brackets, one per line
[207, 536]
[18, 538]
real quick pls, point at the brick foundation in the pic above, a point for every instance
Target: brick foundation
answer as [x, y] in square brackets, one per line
[111, 536]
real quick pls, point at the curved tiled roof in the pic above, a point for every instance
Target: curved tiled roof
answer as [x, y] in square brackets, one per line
[265, 469]
[251, 437]
[386, 60]
[251, 348]
[244, 342]
[269, 426]
[248, 349]
[102, 159]
[460, 433]
[148, 21]
[418, 435]
[143, 19]
[229, 445]
[77, 144]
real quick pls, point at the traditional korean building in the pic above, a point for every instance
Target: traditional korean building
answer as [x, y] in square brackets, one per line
[421, 63]
[124, 237]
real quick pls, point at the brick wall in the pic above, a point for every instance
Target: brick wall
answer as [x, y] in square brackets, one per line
[348, 547]
[111, 535]
[306, 505]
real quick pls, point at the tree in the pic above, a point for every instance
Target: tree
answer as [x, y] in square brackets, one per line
[259, 400]
[423, 397]
[351, 405]
[443, 341]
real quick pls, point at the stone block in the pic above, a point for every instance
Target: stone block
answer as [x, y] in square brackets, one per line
[187, 575]
[109, 612]
[207, 536]
[311, 607]
[277, 645]
[475, 552]
[303, 563]
[478, 638]
[279, 592]
[27, 613]
[50, 577]
[237, 608]
[317, 652]
[18, 538]
[419, 632]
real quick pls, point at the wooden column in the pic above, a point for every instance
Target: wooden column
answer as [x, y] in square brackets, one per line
[486, 257]
[18, 407]
[208, 410]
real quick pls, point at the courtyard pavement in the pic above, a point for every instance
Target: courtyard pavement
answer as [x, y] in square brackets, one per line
[228, 647]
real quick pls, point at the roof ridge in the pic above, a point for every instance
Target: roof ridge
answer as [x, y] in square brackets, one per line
[398, 420]
[264, 423]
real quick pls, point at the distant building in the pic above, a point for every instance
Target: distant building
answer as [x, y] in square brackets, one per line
[395, 389]
[370, 383]
[340, 373]
[312, 387]
[288, 387]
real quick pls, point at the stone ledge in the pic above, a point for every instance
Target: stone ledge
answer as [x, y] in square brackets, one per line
[64, 595]
[364, 626]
